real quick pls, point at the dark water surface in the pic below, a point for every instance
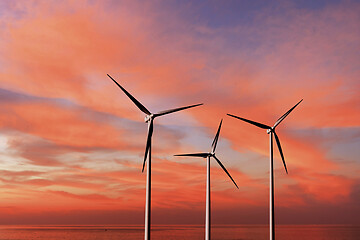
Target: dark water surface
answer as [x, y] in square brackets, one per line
[233, 232]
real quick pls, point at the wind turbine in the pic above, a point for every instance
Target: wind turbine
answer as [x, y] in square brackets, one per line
[149, 119]
[208, 156]
[271, 131]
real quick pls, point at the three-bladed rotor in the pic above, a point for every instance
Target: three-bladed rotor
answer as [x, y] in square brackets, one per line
[211, 154]
[149, 118]
[271, 129]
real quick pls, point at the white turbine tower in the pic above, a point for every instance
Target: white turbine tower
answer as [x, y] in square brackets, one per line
[271, 131]
[208, 156]
[149, 119]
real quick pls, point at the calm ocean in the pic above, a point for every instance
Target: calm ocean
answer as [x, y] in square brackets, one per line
[236, 232]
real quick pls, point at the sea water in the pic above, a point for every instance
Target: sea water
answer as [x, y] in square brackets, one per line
[219, 232]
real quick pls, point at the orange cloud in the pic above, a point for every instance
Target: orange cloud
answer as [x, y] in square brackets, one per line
[60, 125]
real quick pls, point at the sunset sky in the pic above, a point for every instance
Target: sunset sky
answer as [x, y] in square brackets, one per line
[72, 143]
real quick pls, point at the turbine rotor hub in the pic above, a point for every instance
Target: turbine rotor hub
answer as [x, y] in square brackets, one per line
[269, 130]
[149, 117]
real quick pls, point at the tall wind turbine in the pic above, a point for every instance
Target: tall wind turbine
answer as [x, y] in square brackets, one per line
[208, 156]
[149, 119]
[271, 131]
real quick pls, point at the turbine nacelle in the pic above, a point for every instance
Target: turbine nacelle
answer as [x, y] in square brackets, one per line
[149, 117]
[269, 130]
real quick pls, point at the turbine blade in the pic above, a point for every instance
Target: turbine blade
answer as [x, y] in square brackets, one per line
[260, 125]
[214, 143]
[218, 161]
[286, 114]
[137, 103]
[280, 150]
[203, 155]
[148, 143]
[175, 110]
